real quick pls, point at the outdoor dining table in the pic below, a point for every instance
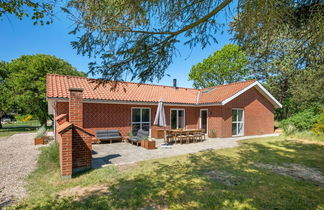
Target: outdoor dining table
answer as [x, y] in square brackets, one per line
[176, 132]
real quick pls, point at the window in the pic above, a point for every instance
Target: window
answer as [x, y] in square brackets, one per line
[177, 118]
[237, 122]
[140, 119]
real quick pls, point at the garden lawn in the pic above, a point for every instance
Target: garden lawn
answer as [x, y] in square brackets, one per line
[221, 179]
[11, 131]
[20, 127]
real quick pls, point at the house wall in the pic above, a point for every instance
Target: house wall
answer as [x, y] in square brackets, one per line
[118, 116]
[258, 115]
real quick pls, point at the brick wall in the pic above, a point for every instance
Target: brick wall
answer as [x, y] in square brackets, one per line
[75, 143]
[258, 114]
[118, 116]
[66, 153]
[81, 149]
[76, 106]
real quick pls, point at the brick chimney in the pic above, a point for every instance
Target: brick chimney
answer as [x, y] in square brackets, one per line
[76, 106]
[175, 83]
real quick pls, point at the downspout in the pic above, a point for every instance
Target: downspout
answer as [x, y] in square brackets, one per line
[197, 102]
[54, 121]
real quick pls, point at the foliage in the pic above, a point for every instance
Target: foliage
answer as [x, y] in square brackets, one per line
[140, 37]
[24, 117]
[41, 132]
[5, 97]
[27, 82]
[288, 56]
[318, 127]
[212, 133]
[300, 121]
[39, 12]
[49, 159]
[225, 66]
[181, 182]
[260, 24]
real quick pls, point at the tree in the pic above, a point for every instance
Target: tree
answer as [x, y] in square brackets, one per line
[27, 80]
[224, 66]
[287, 55]
[139, 37]
[5, 96]
[264, 23]
[21, 8]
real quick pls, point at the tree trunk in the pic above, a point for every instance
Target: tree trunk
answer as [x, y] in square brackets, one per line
[43, 122]
[0, 123]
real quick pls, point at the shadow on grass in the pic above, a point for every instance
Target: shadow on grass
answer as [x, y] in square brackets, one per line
[183, 184]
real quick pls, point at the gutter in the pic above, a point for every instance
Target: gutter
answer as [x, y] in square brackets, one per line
[133, 102]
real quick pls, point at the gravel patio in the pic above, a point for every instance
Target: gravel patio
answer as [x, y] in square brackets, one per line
[126, 153]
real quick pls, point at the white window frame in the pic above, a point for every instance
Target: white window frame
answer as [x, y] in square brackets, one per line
[141, 118]
[237, 122]
[201, 121]
[184, 114]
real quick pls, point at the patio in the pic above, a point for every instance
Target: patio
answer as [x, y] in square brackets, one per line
[125, 153]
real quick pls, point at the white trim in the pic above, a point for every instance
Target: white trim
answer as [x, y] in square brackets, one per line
[237, 122]
[261, 89]
[131, 120]
[200, 119]
[184, 115]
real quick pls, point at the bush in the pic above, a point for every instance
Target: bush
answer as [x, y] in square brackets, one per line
[300, 122]
[318, 127]
[49, 157]
[41, 132]
[23, 117]
[212, 133]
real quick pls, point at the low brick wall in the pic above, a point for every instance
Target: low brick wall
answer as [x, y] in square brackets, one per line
[75, 145]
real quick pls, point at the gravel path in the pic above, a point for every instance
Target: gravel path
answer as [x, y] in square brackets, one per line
[18, 157]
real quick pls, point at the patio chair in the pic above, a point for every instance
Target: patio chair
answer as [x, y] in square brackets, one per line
[198, 136]
[167, 136]
[108, 135]
[139, 136]
[183, 136]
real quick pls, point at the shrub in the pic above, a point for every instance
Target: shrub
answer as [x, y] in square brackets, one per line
[212, 133]
[318, 127]
[49, 157]
[23, 117]
[41, 132]
[299, 122]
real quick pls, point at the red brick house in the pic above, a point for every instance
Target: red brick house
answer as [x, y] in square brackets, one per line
[237, 109]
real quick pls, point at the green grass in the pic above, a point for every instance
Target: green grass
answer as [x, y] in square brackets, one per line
[20, 127]
[12, 131]
[30, 123]
[181, 182]
[308, 135]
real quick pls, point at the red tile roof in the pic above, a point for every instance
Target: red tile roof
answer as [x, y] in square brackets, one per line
[58, 86]
[222, 92]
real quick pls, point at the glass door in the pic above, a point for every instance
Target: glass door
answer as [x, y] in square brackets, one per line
[237, 122]
[140, 119]
[203, 119]
[177, 118]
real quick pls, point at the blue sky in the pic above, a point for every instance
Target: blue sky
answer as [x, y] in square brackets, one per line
[21, 37]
